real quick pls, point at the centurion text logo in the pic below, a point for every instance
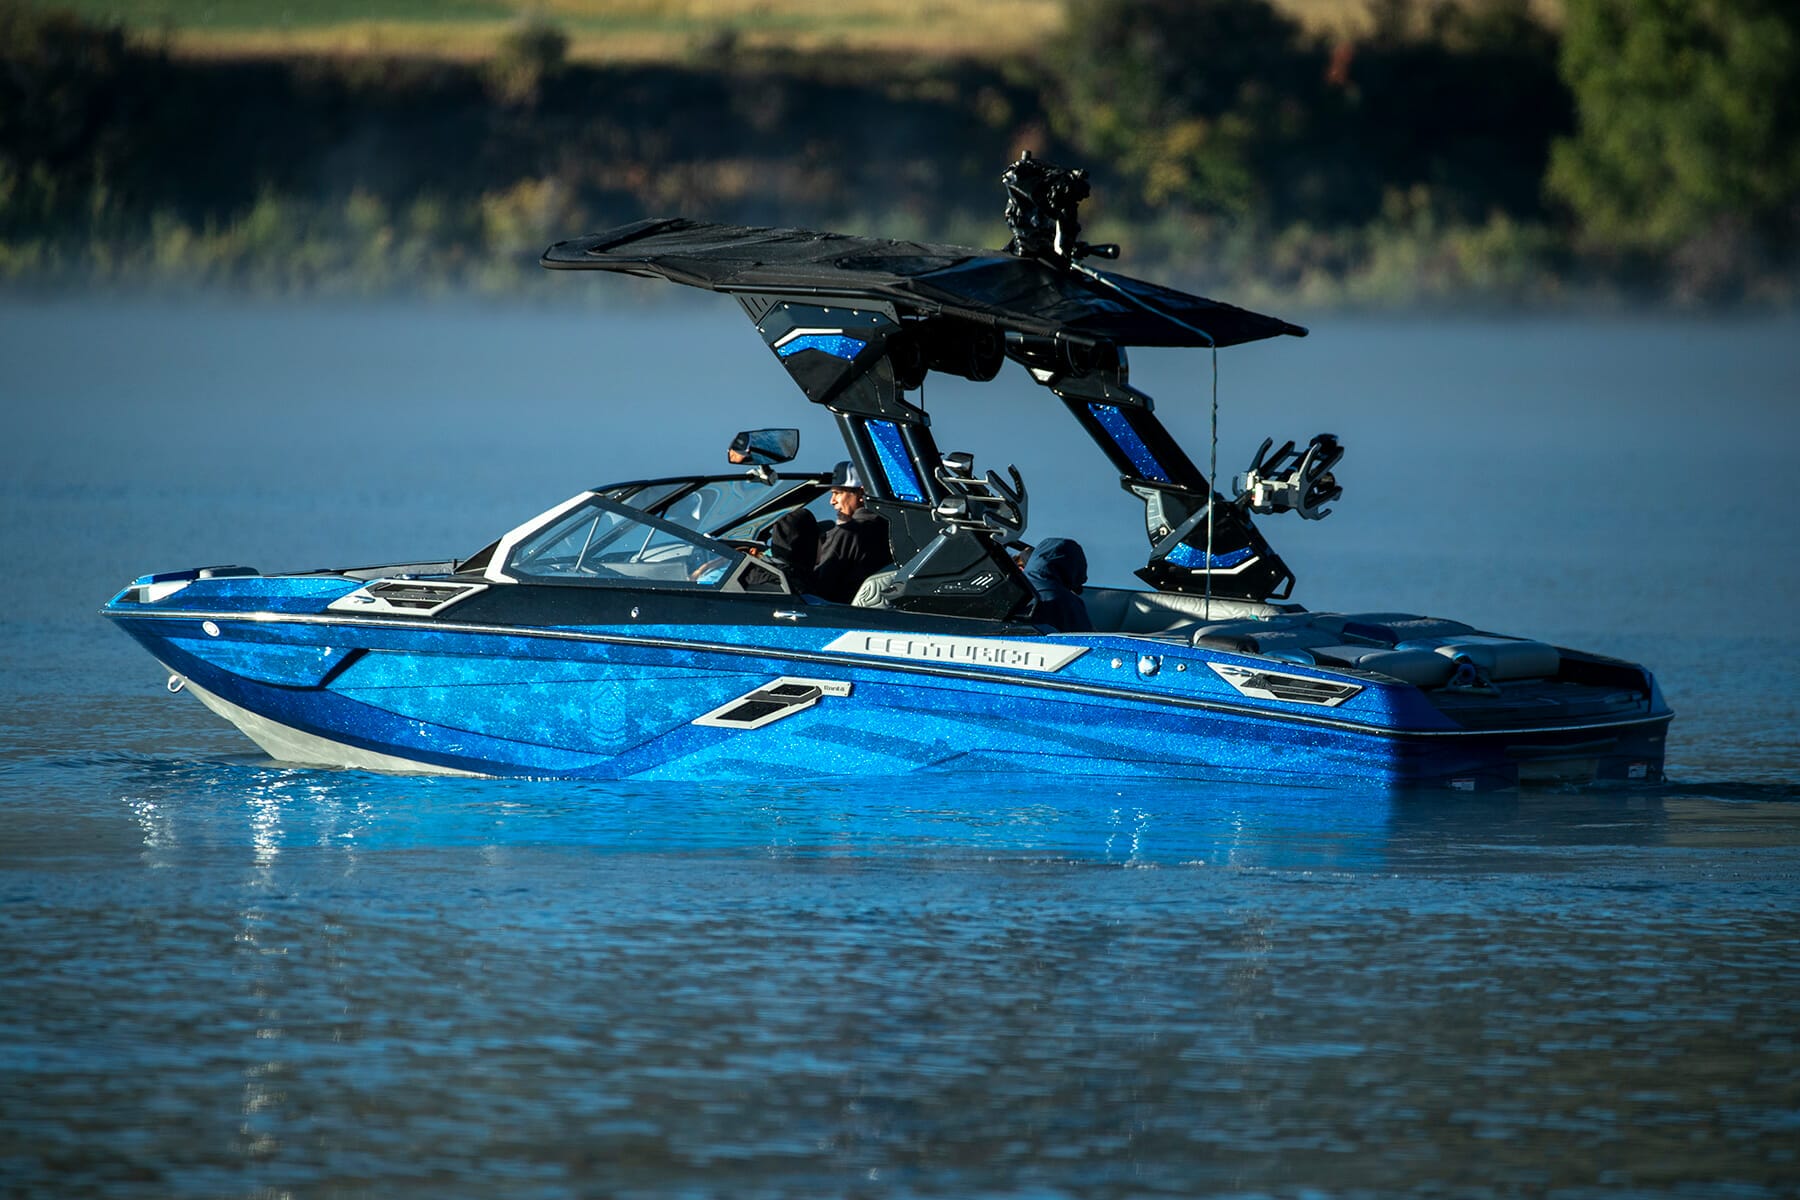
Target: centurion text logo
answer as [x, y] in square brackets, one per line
[985, 652]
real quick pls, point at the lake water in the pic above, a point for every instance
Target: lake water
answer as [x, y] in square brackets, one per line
[224, 977]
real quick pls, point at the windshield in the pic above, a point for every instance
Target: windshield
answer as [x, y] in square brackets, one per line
[601, 542]
[734, 506]
[648, 496]
[755, 528]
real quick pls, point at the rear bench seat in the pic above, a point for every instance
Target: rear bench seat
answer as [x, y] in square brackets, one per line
[1142, 614]
[1498, 658]
[1423, 651]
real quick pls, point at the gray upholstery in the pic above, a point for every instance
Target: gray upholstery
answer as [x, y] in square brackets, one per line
[1423, 651]
[1122, 610]
[869, 594]
[1497, 657]
[1389, 629]
[1422, 668]
[1281, 638]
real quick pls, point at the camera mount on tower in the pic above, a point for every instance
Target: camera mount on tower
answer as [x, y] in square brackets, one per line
[1041, 203]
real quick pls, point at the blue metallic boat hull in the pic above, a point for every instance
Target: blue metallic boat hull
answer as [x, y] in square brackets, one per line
[630, 701]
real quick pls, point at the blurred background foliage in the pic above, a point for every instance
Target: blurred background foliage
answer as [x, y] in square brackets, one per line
[1316, 151]
[1688, 142]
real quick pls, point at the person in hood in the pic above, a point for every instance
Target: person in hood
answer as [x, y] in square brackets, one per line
[855, 547]
[794, 544]
[1057, 572]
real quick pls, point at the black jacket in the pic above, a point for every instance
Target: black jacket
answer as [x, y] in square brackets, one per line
[1057, 573]
[849, 552]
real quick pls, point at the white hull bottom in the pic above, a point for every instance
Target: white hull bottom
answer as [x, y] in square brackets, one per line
[289, 745]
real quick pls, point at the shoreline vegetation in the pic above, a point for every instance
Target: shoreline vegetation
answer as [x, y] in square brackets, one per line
[1315, 153]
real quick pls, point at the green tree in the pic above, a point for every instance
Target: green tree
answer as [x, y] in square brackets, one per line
[63, 87]
[1229, 108]
[1688, 120]
[1182, 95]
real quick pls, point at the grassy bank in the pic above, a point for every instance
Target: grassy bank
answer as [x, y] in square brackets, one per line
[605, 31]
[599, 31]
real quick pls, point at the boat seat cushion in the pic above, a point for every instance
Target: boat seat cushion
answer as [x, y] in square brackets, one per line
[1421, 668]
[1423, 651]
[1317, 647]
[1497, 657]
[1280, 638]
[1122, 610]
[1389, 629]
[869, 594]
[1140, 616]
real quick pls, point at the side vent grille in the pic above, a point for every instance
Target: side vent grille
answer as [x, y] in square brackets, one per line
[1276, 685]
[405, 597]
[771, 702]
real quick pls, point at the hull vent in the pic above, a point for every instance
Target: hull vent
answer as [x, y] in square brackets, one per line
[405, 597]
[1276, 685]
[771, 702]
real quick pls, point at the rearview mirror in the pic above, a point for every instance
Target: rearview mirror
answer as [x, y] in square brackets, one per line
[760, 447]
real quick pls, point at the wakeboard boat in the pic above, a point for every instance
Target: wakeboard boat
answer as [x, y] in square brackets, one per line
[643, 629]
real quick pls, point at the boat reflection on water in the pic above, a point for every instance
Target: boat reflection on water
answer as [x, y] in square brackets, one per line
[184, 810]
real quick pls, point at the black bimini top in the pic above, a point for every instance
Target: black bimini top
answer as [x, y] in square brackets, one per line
[1026, 295]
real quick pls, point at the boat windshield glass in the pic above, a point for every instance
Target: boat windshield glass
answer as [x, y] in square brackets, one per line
[755, 527]
[647, 496]
[602, 542]
[730, 506]
[719, 503]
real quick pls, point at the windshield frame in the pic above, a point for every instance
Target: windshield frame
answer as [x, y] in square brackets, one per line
[673, 490]
[502, 566]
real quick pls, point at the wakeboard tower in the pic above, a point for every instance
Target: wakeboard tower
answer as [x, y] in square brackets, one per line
[858, 323]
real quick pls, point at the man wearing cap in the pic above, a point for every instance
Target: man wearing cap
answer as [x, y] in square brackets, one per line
[854, 548]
